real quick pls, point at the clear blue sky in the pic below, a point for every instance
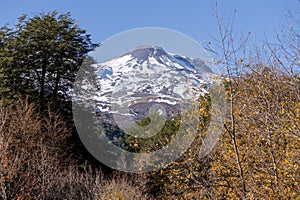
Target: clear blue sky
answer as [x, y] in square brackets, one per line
[194, 18]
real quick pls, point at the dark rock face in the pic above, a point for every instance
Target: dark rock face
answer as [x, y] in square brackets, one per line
[142, 54]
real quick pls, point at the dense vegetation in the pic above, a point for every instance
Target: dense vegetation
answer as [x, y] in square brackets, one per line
[257, 156]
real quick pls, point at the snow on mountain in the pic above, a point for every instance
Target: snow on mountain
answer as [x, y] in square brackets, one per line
[148, 75]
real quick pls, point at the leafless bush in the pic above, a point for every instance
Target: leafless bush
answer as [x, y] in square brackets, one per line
[31, 150]
[35, 161]
[124, 187]
[74, 183]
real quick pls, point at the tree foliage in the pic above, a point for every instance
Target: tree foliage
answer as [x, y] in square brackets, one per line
[41, 56]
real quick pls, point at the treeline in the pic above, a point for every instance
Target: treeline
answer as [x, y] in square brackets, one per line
[257, 156]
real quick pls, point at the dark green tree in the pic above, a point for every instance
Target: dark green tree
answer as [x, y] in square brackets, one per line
[40, 57]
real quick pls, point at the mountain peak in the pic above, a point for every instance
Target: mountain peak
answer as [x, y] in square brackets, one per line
[143, 53]
[148, 75]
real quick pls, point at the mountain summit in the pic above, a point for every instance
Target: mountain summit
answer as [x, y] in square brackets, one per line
[135, 81]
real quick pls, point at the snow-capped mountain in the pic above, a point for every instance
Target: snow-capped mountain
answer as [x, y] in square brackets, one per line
[129, 85]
